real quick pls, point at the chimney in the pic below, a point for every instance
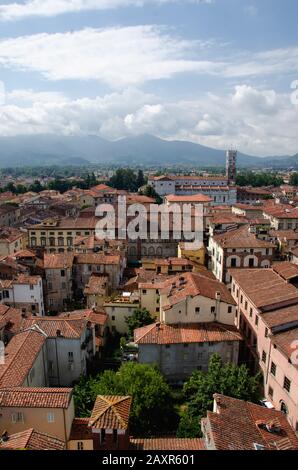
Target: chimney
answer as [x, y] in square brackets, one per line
[4, 436]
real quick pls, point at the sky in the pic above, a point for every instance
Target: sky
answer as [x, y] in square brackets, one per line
[216, 72]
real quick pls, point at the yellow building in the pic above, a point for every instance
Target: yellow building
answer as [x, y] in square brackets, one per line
[197, 256]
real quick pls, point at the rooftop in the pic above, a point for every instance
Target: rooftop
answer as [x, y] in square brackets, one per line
[21, 397]
[167, 443]
[200, 198]
[161, 333]
[239, 425]
[193, 284]
[20, 355]
[241, 238]
[286, 270]
[58, 260]
[31, 440]
[70, 328]
[265, 288]
[111, 412]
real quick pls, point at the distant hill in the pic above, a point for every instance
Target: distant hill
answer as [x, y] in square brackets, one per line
[140, 150]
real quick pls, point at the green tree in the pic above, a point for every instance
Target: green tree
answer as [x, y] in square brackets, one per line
[152, 407]
[294, 179]
[140, 317]
[226, 379]
[150, 192]
[140, 179]
[36, 187]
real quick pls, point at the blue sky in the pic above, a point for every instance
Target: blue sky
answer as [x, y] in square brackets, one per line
[217, 72]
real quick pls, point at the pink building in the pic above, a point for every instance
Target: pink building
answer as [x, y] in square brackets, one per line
[267, 316]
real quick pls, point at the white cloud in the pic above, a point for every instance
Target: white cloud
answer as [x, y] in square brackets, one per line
[129, 56]
[117, 56]
[30, 96]
[48, 8]
[258, 121]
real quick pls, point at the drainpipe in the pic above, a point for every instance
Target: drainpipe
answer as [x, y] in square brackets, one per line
[217, 306]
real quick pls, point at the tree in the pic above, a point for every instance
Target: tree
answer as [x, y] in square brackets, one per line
[294, 179]
[152, 406]
[140, 179]
[150, 192]
[226, 379]
[36, 187]
[140, 317]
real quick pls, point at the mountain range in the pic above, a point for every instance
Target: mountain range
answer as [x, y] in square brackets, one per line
[143, 150]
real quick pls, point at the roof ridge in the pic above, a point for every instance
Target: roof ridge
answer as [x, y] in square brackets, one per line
[148, 330]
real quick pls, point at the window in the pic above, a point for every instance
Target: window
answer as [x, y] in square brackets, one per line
[251, 262]
[168, 346]
[197, 310]
[144, 291]
[113, 317]
[250, 313]
[241, 299]
[62, 272]
[266, 332]
[212, 309]
[264, 357]
[270, 392]
[115, 435]
[102, 435]
[70, 356]
[185, 345]
[256, 320]
[80, 446]
[17, 417]
[233, 262]
[287, 384]
[245, 306]
[230, 309]
[273, 369]
[51, 417]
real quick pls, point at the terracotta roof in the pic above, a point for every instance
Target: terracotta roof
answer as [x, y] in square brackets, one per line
[80, 431]
[265, 288]
[27, 279]
[222, 218]
[193, 284]
[285, 341]
[97, 285]
[238, 425]
[110, 412]
[281, 317]
[241, 238]
[284, 234]
[94, 315]
[286, 270]
[58, 260]
[191, 198]
[281, 211]
[10, 318]
[68, 327]
[10, 234]
[21, 397]
[249, 207]
[31, 440]
[97, 258]
[24, 254]
[20, 355]
[161, 333]
[167, 443]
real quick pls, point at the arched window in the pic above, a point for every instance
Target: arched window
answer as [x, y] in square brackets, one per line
[52, 241]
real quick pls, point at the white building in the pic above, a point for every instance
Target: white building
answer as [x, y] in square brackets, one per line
[215, 187]
[24, 292]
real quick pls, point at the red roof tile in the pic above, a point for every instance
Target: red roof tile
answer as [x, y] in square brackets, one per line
[161, 333]
[31, 440]
[21, 397]
[167, 443]
[110, 412]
